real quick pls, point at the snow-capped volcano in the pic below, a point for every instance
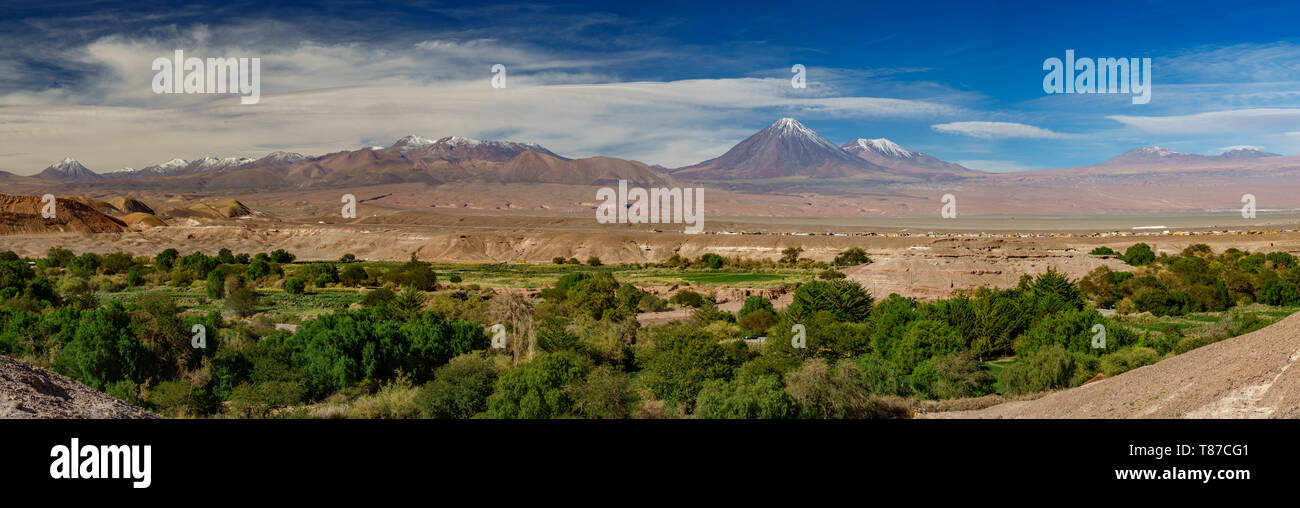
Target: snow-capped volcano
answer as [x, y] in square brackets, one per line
[412, 142]
[882, 146]
[461, 148]
[280, 157]
[889, 154]
[166, 168]
[219, 163]
[67, 169]
[784, 148]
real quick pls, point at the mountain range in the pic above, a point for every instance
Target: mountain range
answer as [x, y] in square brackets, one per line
[785, 151]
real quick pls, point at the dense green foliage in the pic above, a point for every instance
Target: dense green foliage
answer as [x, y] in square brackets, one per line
[577, 349]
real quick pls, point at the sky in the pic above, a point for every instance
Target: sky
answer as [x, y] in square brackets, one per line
[667, 82]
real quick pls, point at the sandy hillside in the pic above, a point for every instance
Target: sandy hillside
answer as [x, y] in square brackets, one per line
[1251, 376]
[31, 392]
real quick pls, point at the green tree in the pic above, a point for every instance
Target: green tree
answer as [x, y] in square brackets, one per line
[845, 299]
[166, 259]
[353, 275]
[791, 254]
[1049, 368]
[540, 388]
[215, 286]
[295, 286]
[748, 396]
[852, 257]
[952, 376]
[459, 390]
[243, 302]
[1139, 254]
[711, 260]
[606, 393]
[681, 360]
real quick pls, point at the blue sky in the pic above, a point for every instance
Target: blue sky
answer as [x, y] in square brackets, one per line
[668, 83]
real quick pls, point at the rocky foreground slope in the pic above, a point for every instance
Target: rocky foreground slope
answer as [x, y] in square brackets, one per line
[1251, 376]
[22, 214]
[27, 391]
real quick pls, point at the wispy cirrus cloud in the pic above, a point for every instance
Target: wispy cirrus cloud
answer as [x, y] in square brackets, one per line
[1237, 120]
[999, 130]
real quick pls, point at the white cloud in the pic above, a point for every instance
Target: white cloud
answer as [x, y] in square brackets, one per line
[318, 98]
[671, 123]
[999, 130]
[1238, 120]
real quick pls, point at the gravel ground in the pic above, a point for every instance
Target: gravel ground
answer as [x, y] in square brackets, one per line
[1251, 376]
[27, 391]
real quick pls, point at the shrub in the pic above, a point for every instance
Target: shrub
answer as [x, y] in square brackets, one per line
[852, 257]
[459, 389]
[838, 391]
[243, 302]
[606, 393]
[378, 297]
[712, 261]
[215, 286]
[347, 346]
[282, 257]
[1104, 251]
[395, 400]
[1139, 254]
[952, 376]
[882, 377]
[1127, 359]
[175, 398]
[295, 286]
[755, 303]
[758, 321]
[259, 400]
[593, 261]
[413, 274]
[829, 274]
[539, 388]
[748, 396]
[1048, 368]
[1279, 292]
[687, 298]
[353, 275]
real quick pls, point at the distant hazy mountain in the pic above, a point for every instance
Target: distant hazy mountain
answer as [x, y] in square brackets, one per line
[886, 153]
[1148, 155]
[411, 159]
[784, 149]
[68, 169]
